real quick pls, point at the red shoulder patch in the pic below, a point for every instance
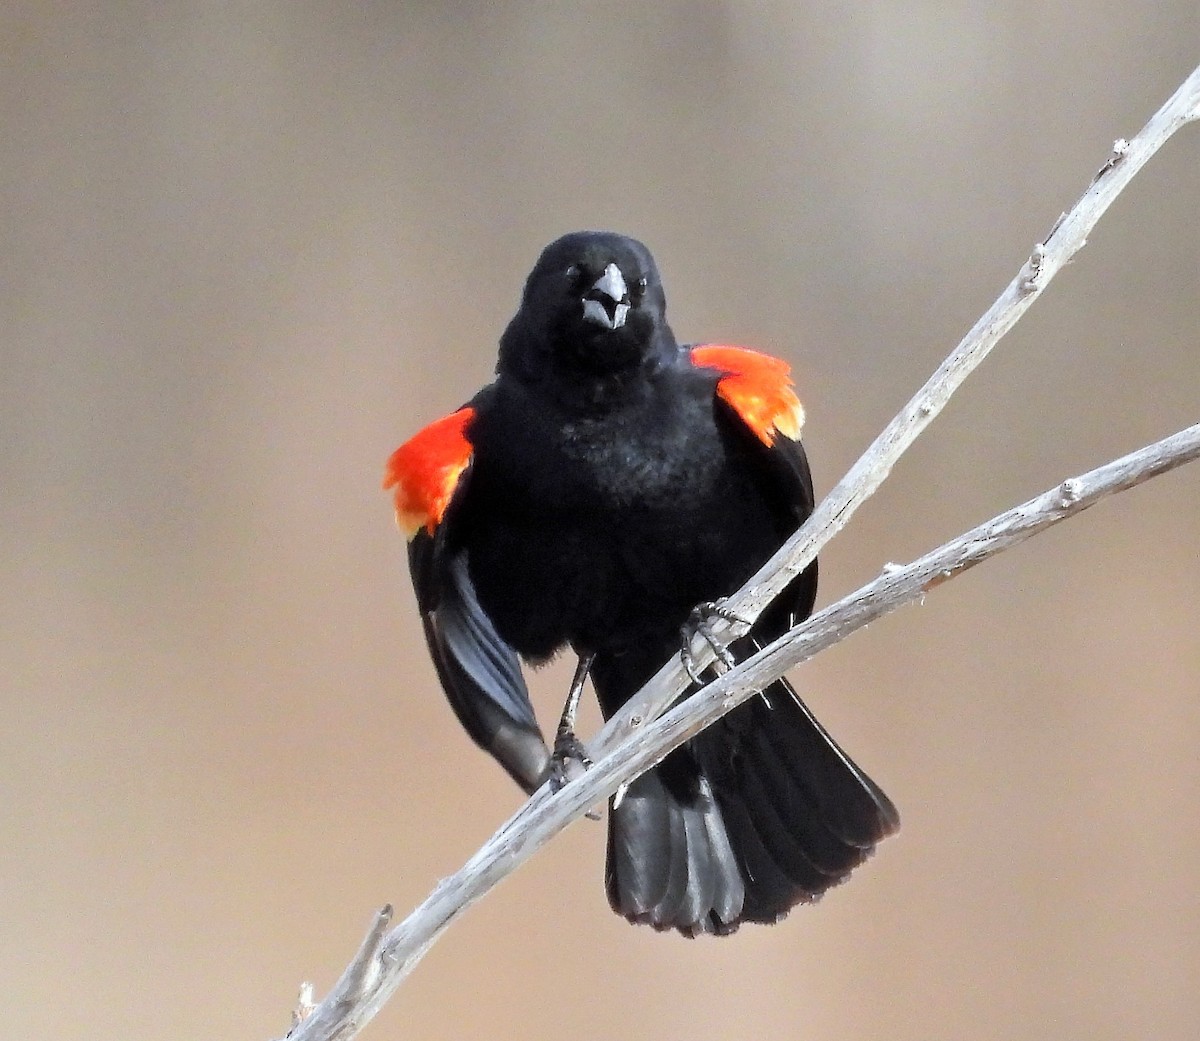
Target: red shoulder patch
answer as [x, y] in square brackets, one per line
[425, 470]
[757, 387]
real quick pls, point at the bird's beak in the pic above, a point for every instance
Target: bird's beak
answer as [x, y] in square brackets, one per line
[607, 302]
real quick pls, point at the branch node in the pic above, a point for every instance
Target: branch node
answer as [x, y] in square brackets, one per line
[1120, 150]
[305, 1005]
[1032, 272]
[619, 795]
[1070, 491]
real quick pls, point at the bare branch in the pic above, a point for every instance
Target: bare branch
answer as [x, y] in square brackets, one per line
[902, 584]
[634, 740]
[384, 961]
[1066, 238]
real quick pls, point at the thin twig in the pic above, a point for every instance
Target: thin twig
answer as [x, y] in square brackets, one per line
[634, 740]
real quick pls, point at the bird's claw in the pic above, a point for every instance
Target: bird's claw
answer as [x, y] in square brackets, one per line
[568, 761]
[700, 621]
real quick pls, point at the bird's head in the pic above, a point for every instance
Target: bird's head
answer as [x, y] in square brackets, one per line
[592, 306]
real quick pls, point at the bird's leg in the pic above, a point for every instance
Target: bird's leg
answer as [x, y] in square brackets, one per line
[700, 621]
[568, 747]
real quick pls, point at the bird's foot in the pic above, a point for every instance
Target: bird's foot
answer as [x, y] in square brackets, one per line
[568, 761]
[700, 621]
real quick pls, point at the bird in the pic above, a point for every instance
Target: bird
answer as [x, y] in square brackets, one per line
[601, 496]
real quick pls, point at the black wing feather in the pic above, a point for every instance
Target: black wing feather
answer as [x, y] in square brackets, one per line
[787, 466]
[479, 671]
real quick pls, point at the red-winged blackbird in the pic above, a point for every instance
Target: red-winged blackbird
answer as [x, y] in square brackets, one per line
[604, 485]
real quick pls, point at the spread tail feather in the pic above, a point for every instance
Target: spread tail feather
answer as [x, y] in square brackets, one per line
[760, 812]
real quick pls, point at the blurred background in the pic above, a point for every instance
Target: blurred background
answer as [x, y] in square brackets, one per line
[250, 247]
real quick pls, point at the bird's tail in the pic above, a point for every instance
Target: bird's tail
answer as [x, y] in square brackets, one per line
[670, 861]
[760, 812]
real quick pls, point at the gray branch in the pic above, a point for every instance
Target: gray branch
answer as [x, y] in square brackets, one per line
[1066, 238]
[639, 736]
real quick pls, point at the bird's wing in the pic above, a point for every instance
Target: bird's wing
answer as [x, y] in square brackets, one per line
[756, 395]
[479, 671]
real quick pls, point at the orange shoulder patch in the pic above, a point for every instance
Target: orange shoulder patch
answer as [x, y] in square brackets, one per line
[424, 471]
[757, 387]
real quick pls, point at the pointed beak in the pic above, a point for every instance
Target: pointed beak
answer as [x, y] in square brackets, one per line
[607, 302]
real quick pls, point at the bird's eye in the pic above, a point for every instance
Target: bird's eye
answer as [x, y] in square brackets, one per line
[574, 275]
[638, 290]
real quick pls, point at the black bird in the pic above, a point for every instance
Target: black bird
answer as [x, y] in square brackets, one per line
[605, 484]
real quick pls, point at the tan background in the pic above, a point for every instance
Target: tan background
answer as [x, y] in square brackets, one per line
[248, 247]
